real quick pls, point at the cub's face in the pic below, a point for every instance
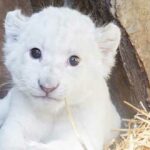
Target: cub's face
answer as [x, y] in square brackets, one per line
[57, 52]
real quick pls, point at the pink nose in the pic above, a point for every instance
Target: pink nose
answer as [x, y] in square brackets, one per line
[48, 90]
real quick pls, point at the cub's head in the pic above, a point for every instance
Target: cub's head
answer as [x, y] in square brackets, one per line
[58, 52]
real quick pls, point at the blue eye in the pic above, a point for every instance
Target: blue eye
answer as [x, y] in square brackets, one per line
[35, 53]
[74, 60]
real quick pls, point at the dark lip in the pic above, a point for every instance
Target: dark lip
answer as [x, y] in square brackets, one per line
[46, 97]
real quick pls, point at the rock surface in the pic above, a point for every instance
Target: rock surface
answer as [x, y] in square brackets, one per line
[134, 15]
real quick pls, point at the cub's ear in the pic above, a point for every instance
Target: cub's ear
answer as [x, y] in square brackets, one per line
[108, 39]
[13, 24]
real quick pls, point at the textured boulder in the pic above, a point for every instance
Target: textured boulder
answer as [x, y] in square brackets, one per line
[134, 15]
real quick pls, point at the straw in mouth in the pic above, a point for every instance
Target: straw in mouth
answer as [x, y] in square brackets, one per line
[74, 125]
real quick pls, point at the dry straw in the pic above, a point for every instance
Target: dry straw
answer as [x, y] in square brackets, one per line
[136, 135]
[74, 126]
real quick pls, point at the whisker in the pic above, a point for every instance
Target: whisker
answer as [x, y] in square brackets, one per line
[26, 87]
[4, 84]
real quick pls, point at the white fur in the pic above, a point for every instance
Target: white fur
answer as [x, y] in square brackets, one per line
[42, 123]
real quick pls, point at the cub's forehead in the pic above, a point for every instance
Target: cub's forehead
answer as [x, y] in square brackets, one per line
[57, 26]
[55, 18]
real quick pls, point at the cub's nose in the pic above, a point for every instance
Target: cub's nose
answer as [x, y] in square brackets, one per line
[47, 89]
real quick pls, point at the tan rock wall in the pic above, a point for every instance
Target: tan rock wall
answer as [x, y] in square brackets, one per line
[134, 15]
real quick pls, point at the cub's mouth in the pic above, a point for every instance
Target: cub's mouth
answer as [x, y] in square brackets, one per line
[47, 98]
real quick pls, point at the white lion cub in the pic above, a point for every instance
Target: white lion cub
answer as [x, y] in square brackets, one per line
[54, 55]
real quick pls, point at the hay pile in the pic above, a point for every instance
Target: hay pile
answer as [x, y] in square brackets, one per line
[136, 135]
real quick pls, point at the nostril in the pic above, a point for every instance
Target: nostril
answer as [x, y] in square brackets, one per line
[48, 89]
[43, 88]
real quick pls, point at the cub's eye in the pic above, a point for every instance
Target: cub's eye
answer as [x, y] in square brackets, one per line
[74, 60]
[35, 53]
